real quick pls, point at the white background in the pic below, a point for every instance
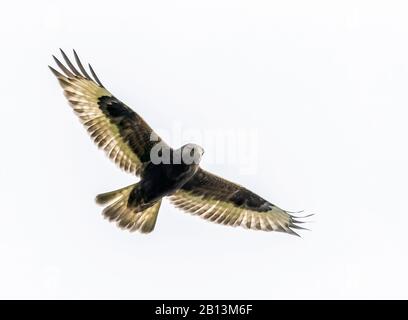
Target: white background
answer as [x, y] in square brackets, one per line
[324, 83]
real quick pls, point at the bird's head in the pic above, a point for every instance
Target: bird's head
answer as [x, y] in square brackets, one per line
[191, 153]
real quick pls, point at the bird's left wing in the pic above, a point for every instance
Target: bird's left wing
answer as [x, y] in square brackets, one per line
[221, 201]
[124, 136]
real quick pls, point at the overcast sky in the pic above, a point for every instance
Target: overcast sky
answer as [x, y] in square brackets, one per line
[307, 101]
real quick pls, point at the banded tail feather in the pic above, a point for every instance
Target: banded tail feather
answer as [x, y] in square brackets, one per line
[128, 215]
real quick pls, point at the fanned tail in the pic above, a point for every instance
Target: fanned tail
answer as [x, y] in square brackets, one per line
[130, 217]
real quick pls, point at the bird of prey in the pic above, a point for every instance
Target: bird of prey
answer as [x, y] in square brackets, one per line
[130, 142]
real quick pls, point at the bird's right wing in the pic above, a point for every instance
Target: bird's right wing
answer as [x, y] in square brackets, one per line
[125, 137]
[221, 201]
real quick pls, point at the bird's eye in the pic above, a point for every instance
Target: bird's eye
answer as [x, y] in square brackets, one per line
[192, 152]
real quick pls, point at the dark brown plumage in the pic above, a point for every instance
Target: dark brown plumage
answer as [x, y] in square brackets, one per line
[129, 141]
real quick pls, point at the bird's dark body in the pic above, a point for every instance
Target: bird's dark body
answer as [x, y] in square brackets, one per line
[159, 180]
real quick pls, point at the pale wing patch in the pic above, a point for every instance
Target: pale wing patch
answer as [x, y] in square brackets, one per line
[227, 213]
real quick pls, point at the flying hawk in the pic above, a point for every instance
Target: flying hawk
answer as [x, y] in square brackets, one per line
[164, 172]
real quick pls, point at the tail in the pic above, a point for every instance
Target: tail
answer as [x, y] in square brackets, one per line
[127, 215]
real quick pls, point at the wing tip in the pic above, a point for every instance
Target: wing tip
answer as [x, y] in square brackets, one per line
[95, 76]
[293, 233]
[294, 222]
[55, 72]
[71, 71]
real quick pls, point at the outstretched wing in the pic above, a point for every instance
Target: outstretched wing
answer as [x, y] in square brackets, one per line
[125, 137]
[218, 200]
